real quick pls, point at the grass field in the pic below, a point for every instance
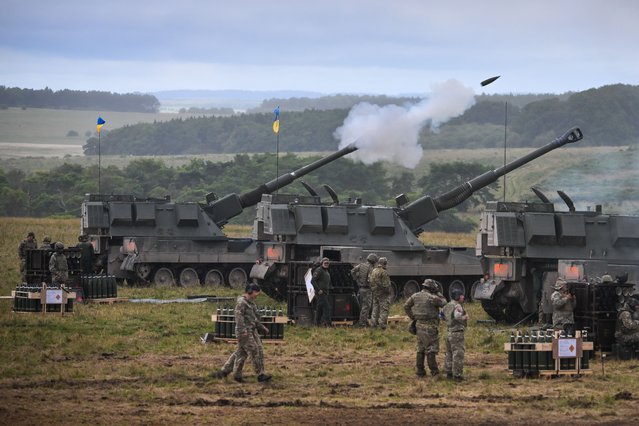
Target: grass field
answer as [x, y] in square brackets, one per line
[134, 363]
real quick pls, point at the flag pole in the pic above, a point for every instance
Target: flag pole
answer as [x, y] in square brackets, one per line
[98, 127]
[276, 129]
[99, 166]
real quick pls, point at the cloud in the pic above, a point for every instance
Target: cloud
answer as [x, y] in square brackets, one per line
[391, 132]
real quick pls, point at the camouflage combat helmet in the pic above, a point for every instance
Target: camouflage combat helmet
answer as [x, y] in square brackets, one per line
[372, 258]
[59, 246]
[560, 283]
[430, 285]
[606, 279]
[455, 294]
[46, 239]
[382, 261]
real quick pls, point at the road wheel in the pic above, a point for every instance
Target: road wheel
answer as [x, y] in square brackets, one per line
[189, 278]
[164, 278]
[456, 285]
[143, 271]
[410, 287]
[214, 278]
[393, 292]
[237, 278]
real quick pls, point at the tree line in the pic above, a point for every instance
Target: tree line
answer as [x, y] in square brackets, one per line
[60, 191]
[77, 99]
[606, 115]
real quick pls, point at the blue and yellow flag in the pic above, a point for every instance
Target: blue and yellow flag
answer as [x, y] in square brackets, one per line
[276, 121]
[101, 123]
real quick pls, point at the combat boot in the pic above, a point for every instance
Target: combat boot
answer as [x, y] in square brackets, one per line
[432, 363]
[419, 363]
[264, 378]
[238, 379]
[449, 375]
[219, 374]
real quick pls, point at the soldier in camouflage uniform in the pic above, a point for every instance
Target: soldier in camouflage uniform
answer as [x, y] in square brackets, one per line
[456, 320]
[322, 283]
[46, 243]
[248, 339]
[563, 305]
[627, 332]
[361, 275]
[87, 254]
[423, 308]
[26, 244]
[58, 265]
[380, 285]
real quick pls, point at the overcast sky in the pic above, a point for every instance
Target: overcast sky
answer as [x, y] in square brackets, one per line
[330, 46]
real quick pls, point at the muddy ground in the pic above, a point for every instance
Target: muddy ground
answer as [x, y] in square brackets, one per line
[311, 387]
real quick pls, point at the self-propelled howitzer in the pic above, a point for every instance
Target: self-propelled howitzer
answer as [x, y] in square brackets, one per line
[302, 229]
[151, 239]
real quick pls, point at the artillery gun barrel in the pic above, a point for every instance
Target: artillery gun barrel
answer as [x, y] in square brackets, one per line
[253, 197]
[231, 205]
[425, 209]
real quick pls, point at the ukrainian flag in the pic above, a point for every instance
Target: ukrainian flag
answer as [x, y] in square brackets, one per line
[276, 121]
[101, 123]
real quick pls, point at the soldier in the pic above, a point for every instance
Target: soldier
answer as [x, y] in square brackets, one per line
[322, 283]
[563, 305]
[247, 322]
[456, 320]
[46, 243]
[627, 332]
[58, 265]
[423, 308]
[381, 285]
[87, 254]
[361, 275]
[26, 244]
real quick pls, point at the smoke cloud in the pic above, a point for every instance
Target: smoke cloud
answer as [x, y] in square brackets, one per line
[391, 132]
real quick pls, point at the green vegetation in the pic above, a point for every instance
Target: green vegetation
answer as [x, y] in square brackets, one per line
[77, 99]
[132, 363]
[607, 116]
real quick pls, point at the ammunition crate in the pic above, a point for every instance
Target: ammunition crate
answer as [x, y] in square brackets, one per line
[224, 320]
[28, 298]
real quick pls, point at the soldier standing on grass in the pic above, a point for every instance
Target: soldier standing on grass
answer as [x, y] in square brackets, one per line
[380, 284]
[456, 320]
[361, 275]
[58, 265]
[26, 244]
[249, 344]
[563, 306]
[423, 308]
[322, 283]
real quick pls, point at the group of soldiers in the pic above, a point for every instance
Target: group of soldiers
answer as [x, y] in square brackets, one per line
[58, 265]
[424, 308]
[563, 319]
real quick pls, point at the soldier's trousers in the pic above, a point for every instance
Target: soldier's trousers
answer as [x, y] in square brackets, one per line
[23, 270]
[628, 339]
[250, 346]
[322, 311]
[455, 350]
[365, 302]
[381, 305]
[427, 336]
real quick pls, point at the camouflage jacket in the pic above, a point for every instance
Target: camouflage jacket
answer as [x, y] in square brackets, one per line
[247, 317]
[24, 246]
[59, 267]
[562, 309]
[455, 316]
[626, 325]
[361, 274]
[424, 305]
[380, 281]
[321, 280]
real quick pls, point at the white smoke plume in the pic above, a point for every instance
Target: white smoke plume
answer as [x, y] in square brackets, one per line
[391, 132]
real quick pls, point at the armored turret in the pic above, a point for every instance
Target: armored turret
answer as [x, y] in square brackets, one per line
[296, 228]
